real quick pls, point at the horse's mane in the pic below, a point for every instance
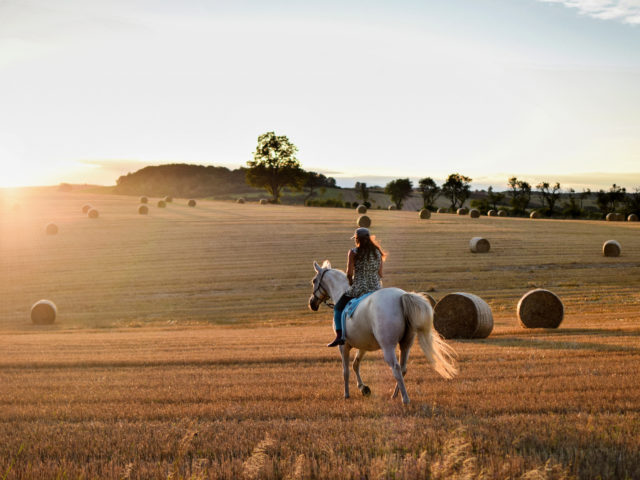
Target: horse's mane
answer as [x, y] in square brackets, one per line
[327, 264]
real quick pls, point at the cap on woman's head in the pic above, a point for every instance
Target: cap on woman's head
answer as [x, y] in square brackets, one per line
[361, 233]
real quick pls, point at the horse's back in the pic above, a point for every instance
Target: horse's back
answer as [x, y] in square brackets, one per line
[386, 294]
[378, 320]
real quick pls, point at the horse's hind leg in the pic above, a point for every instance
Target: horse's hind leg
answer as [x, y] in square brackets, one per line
[405, 348]
[404, 357]
[392, 361]
[345, 350]
[366, 391]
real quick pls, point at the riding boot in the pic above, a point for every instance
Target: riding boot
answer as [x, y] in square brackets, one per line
[338, 340]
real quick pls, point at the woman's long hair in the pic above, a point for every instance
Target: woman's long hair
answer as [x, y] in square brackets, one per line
[367, 247]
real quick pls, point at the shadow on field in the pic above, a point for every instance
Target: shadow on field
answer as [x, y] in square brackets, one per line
[553, 345]
[600, 332]
[589, 332]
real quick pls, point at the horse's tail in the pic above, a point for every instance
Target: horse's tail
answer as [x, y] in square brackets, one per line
[418, 312]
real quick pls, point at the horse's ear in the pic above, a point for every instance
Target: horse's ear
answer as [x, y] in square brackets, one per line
[326, 264]
[316, 267]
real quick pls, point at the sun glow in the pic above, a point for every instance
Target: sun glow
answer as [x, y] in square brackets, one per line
[15, 176]
[20, 173]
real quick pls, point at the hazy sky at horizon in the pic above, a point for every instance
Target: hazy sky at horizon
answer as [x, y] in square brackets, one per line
[541, 89]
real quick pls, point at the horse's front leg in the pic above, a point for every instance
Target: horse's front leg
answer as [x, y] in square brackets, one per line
[366, 391]
[345, 350]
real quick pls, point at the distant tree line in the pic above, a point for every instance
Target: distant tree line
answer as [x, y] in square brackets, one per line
[457, 189]
[554, 202]
[518, 198]
[275, 168]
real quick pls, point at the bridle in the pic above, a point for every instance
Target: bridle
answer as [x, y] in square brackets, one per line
[324, 293]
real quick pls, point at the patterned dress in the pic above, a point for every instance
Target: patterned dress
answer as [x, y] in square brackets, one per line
[365, 274]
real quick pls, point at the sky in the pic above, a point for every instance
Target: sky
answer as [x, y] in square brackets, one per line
[545, 90]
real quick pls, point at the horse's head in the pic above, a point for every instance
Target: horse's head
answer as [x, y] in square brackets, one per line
[320, 292]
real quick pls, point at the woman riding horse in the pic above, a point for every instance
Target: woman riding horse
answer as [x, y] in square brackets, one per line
[364, 271]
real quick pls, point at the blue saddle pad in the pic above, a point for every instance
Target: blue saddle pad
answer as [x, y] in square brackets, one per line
[350, 308]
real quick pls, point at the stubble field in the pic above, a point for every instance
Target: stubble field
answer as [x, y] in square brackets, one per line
[184, 347]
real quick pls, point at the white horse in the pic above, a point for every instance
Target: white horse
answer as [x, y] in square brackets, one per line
[386, 318]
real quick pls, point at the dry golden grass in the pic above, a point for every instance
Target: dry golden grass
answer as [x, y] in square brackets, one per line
[228, 375]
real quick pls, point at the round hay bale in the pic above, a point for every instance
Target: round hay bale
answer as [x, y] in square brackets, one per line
[442, 210]
[428, 298]
[502, 213]
[392, 207]
[144, 200]
[43, 312]
[535, 214]
[425, 214]
[263, 201]
[611, 217]
[93, 213]
[474, 213]
[168, 199]
[143, 209]
[492, 213]
[51, 229]
[462, 315]
[361, 209]
[632, 217]
[240, 200]
[364, 221]
[86, 207]
[611, 248]
[540, 308]
[479, 245]
[192, 203]
[162, 204]
[462, 211]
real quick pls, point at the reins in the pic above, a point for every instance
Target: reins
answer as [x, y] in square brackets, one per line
[325, 293]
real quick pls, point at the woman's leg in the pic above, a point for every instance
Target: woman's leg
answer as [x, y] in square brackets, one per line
[337, 320]
[337, 311]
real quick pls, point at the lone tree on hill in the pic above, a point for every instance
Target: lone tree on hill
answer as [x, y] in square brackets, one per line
[520, 195]
[274, 165]
[429, 191]
[457, 189]
[550, 195]
[399, 190]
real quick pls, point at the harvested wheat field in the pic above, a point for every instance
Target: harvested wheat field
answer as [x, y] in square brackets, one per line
[183, 346]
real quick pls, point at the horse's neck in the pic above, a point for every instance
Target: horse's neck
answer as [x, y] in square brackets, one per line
[337, 284]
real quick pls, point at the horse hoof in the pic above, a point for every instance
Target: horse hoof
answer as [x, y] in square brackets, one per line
[366, 391]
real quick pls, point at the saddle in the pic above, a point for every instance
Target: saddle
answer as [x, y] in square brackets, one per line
[350, 309]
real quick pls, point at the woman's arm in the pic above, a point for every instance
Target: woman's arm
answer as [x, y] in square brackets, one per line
[350, 266]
